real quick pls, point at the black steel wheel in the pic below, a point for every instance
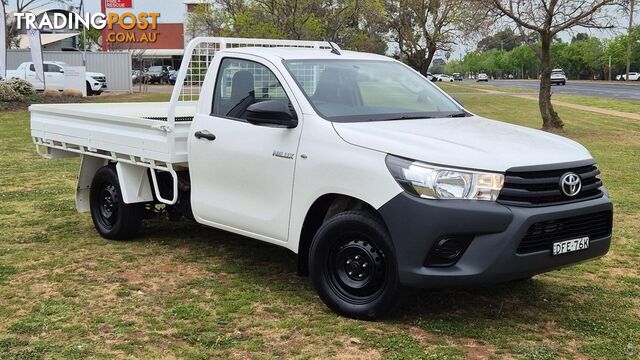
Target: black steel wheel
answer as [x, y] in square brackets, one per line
[353, 265]
[112, 218]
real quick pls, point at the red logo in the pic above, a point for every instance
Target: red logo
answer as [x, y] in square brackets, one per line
[119, 4]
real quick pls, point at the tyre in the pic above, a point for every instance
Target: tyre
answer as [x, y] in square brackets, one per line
[353, 266]
[89, 90]
[112, 218]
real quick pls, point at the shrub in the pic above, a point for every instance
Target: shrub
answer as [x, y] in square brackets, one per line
[52, 93]
[72, 93]
[8, 94]
[22, 87]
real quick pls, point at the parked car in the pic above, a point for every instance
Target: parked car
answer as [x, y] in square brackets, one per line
[96, 83]
[558, 77]
[633, 76]
[372, 194]
[483, 77]
[445, 77]
[457, 76]
[158, 75]
[431, 77]
[174, 77]
[137, 76]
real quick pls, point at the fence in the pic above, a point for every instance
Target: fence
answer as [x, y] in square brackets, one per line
[115, 65]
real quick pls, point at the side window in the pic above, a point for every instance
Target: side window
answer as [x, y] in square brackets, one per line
[32, 68]
[241, 83]
[52, 68]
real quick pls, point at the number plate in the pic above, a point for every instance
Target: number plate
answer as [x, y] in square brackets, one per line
[567, 246]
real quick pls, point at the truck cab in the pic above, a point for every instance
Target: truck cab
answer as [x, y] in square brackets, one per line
[372, 175]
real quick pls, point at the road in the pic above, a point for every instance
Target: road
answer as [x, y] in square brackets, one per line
[586, 88]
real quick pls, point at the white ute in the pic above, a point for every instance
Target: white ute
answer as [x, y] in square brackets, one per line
[371, 174]
[96, 83]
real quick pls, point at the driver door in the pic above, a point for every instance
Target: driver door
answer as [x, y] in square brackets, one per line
[242, 174]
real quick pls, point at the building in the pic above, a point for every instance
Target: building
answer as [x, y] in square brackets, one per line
[169, 36]
[52, 40]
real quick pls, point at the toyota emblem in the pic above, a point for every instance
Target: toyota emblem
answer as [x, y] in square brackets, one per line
[570, 184]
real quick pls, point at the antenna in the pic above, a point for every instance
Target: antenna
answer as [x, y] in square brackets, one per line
[333, 49]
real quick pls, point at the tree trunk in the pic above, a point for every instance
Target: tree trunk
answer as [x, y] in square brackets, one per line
[431, 51]
[550, 119]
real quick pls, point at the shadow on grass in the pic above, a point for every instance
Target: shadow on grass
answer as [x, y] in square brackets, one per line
[559, 306]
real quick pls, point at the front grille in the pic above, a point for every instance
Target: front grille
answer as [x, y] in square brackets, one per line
[100, 79]
[542, 187]
[542, 235]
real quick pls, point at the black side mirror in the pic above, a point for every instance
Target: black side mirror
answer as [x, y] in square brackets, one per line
[272, 112]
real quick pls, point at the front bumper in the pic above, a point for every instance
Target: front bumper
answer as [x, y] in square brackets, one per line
[416, 224]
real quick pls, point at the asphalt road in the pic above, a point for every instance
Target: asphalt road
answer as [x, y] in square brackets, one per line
[587, 88]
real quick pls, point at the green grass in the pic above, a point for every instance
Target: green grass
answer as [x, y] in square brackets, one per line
[184, 291]
[471, 86]
[630, 106]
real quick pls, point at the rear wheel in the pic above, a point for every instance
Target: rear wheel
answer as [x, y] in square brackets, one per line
[112, 218]
[353, 266]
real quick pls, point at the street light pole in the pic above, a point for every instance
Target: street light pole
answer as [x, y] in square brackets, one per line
[631, 3]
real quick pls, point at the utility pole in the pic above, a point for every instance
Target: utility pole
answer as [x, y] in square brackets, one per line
[609, 67]
[631, 3]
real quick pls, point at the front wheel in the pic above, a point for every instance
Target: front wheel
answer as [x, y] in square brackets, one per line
[353, 265]
[112, 218]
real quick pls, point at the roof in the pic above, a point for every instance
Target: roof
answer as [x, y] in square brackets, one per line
[160, 52]
[290, 53]
[23, 42]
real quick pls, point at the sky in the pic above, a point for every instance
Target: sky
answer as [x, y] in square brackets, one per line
[168, 14]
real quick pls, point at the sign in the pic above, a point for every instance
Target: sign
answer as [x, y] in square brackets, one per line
[35, 43]
[119, 4]
[3, 43]
[75, 78]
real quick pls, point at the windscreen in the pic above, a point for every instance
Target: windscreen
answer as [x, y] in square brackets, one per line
[361, 90]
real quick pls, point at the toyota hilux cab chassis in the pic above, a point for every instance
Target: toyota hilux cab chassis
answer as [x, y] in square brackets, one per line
[373, 176]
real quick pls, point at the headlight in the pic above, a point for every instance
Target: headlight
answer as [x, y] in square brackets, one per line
[438, 182]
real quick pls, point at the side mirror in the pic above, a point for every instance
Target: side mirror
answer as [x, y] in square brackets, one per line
[272, 112]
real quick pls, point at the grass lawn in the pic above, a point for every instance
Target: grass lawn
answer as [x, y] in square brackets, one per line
[629, 106]
[185, 291]
[477, 87]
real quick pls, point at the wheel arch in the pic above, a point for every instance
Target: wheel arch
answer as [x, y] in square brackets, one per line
[322, 209]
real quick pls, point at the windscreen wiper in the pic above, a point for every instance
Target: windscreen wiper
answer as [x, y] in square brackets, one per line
[409, 117]
[457, 115]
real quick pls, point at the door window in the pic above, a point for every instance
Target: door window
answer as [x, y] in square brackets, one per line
[241, 83]
[52, 68]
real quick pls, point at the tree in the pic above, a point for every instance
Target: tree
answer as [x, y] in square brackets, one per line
[505, 39]
[356, 24]
[420, 28]
[548, 18]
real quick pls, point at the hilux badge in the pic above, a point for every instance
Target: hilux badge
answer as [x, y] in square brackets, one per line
[570, 184]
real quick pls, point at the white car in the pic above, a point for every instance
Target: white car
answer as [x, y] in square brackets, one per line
[633, 76]
[96, 83]
[445, 77]
[483, 77]
[558, 77]
[292, 144]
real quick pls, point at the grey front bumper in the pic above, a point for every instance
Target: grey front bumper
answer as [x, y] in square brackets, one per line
[416, 224]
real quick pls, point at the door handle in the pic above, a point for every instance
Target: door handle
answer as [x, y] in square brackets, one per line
[204, 134]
